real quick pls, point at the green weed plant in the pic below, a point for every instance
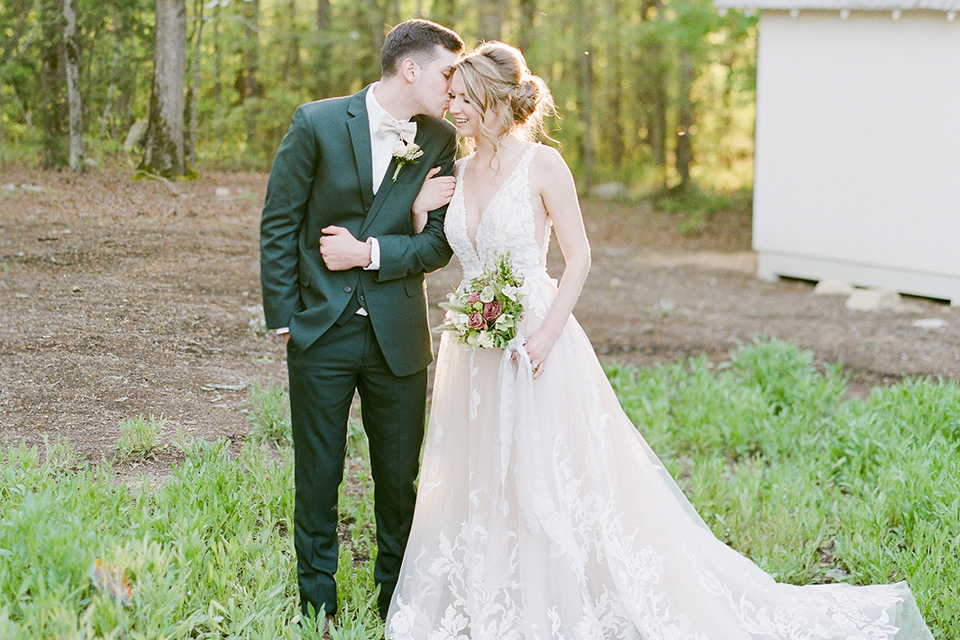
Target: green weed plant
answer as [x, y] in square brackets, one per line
[139, 437]
[813, 485]
[694, 205]
[208, 551]
[269, 414]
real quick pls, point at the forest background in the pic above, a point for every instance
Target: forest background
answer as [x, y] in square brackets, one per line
[652, 94]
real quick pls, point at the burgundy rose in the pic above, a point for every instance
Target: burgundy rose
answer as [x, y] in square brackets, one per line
[475, 321]
[474, 297]
[491, 311]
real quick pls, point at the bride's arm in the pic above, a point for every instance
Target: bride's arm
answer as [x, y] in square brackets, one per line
[435, 192]
[551, 178]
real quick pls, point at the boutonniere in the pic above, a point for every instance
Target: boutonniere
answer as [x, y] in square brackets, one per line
[405, 154]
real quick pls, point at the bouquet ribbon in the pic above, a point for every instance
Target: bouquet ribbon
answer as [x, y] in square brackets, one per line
[514, 384]
[538, 485]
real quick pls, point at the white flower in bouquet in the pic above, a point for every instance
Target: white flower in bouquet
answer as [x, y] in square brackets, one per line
[484, 313]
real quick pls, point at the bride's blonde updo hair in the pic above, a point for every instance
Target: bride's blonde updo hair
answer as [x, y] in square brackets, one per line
[496, 78]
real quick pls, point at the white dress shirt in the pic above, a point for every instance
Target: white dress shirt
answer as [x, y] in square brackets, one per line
[381, 152]
[381, 147]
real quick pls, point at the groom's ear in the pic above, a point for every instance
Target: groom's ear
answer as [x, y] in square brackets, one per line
[409, 69]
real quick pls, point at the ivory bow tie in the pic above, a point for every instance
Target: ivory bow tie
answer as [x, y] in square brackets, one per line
[407, 131]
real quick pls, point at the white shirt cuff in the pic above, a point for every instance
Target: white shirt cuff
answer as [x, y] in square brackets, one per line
[283, 330]
[374, 255]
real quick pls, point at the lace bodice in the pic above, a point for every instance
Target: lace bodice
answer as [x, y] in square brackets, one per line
[507, 225]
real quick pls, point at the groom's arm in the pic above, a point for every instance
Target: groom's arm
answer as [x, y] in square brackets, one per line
[284, 209]
[404, 255]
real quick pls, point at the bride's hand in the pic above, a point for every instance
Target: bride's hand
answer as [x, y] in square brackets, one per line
[538, 347]
[434, 193]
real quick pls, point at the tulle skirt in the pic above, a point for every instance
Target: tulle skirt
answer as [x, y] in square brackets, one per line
[543, 514]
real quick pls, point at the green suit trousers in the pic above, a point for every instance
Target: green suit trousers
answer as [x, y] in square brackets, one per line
[323, 379]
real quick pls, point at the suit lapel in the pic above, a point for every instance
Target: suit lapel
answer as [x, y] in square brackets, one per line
[359, 128]
[387, 185]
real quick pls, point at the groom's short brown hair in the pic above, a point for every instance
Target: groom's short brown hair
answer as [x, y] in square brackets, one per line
[416, 39]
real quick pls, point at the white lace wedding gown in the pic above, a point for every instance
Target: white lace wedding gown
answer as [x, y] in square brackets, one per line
[543, 514]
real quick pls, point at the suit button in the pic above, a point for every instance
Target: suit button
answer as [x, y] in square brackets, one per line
[347, 289]
[362, 300]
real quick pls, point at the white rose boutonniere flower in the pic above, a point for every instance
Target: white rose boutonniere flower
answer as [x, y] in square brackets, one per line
[405, 154]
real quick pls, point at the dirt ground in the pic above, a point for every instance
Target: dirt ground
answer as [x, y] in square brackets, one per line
[125, 298]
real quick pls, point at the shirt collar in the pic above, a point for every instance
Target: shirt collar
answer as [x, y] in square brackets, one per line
[376, 113]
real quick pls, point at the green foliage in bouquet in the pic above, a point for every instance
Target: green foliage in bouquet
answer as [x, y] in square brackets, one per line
[485, 312]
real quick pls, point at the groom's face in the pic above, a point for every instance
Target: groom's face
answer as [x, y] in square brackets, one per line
[432, 85]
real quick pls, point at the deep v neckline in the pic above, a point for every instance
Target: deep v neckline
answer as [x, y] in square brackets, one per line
[474, 243]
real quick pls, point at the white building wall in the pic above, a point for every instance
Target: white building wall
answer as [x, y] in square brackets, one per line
[858, 149]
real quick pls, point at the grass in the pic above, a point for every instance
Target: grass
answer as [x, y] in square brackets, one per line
[269, 414]
[813, 485]
[208, 552]
[139, 437]
[697, 204]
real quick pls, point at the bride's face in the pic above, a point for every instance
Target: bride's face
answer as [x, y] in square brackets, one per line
[465, 114]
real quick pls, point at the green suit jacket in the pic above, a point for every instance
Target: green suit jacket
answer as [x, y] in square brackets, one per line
[322, 175]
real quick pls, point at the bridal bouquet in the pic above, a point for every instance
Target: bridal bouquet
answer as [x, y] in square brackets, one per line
[486, 310]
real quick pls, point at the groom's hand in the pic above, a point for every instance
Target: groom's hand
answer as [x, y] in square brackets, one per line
[341, 251]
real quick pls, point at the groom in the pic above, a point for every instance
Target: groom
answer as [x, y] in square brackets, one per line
[342, 276]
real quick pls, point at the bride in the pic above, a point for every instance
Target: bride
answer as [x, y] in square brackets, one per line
[542, 513]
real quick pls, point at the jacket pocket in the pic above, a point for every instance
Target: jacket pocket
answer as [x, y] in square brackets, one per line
[415, 286]
[304, 277]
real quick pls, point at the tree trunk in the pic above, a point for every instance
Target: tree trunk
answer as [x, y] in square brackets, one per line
[164, 145]
[444, 12]
[657, 78]
[323, 15]
[615, 75]
[726, 106]
[13, 39]
[251, 50]
[377, 21]
[528, 10]
[251, 56]
[16, 47]
[51, 80]
[73, 85]
[324, 79]
[490, 20]
[3, 134]
[684, 119]
[217, 85]
[291, 68]
[112, 90]
[658, 118]
[198, 35]
[21, 101]
[585, 73]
